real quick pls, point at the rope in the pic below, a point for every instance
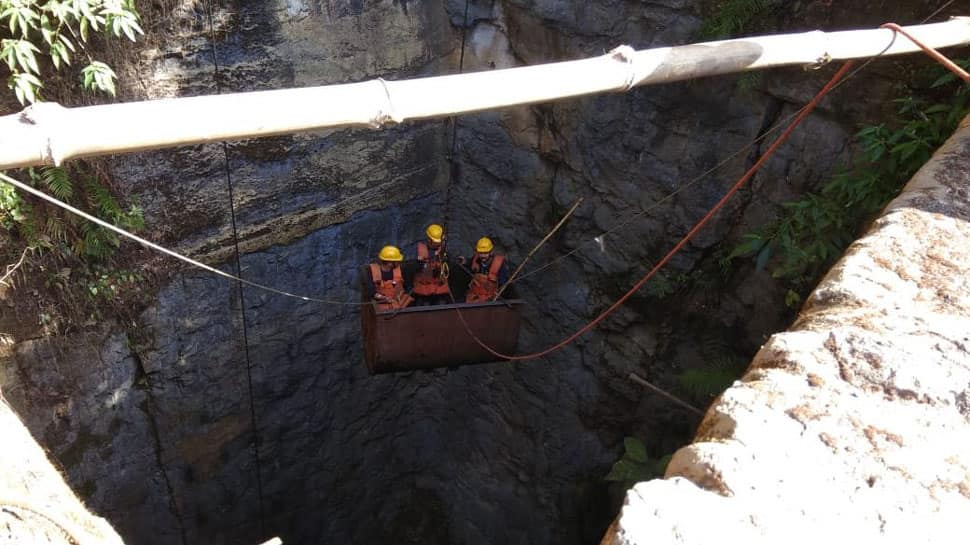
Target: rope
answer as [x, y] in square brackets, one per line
[694, 181]
[239, 286]
[276, 291]
[452, 160]
[245, 340]
[934, 54]
[518, 269]
[697, 179]
[690, 183]
[690, 234]
[269, 289]
[98, 221]
[938, 10]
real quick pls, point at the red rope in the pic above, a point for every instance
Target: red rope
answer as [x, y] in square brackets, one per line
[936, 55]
[690, 234]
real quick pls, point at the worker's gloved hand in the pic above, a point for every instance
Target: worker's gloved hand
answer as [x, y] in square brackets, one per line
[461, 260]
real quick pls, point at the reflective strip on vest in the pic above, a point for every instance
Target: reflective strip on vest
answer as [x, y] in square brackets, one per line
[392, 289]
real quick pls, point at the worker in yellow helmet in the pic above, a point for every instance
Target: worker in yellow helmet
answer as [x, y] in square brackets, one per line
[430, 281]
[387, 282]
[489, 272]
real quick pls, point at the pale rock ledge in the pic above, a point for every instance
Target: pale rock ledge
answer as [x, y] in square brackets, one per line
[854, 425]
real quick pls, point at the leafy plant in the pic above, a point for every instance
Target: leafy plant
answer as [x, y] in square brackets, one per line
[723, 366]
[106, 283]
[816, 228]
[709, 381]
[49, 228]
[39, 40]
[660, 286]
[732, 17]
[50, 34]
[635, 465]
[663, 285]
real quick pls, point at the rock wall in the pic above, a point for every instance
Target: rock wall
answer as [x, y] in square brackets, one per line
[151, 419]
[854, 425]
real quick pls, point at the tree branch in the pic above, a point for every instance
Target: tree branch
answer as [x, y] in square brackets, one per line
[12, 268]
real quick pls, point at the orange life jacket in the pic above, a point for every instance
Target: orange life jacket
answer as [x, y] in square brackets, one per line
[426, 282]
[484, 286]
[393, 290]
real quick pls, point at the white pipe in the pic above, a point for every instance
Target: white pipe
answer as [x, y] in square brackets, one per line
[47, 133]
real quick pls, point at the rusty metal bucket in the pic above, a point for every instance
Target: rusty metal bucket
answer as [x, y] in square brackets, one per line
[433, 336]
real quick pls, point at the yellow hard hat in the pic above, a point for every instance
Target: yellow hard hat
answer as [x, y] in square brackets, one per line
[390, 253]
[435, 232]
[484, 245]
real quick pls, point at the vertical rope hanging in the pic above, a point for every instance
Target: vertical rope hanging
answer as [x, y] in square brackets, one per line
[239, 287]
[452, 158]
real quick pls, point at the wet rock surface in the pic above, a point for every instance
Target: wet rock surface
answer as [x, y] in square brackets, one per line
[151, 420]
[853, 424]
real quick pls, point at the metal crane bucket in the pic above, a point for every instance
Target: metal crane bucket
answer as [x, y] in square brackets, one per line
[433, 336]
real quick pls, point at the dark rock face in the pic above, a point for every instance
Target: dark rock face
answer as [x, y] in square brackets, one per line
[468, 456]
[152, 422]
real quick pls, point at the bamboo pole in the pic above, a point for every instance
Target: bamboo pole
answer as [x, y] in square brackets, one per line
[47, 133]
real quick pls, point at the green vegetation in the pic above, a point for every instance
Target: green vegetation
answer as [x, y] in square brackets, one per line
[50, 51]
[661, 285]
[712, 379]
[635, 465]
[729, 18]
[108, 283]
[722, 367]
[39, 44]
[815, 229]
[45, 36]
[42, 226]
[732, 18]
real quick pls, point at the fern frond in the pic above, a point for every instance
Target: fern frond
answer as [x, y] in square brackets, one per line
[55, 229]
[708, 382]
[94, 246]
[57, 180]
[133, 219]
[103, 201]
